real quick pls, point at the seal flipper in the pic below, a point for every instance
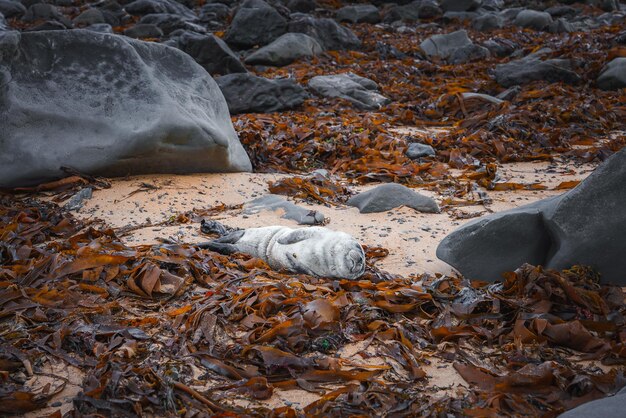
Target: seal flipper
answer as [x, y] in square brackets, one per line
[219, 247]
[231, 237]
[295, 236]
[224, 245]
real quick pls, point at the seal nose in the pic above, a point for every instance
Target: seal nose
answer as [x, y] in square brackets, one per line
[356, 260]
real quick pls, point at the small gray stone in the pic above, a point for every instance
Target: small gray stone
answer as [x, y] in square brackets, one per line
[468, 53]
[12, 8]
[360, 91]
[532, 68]
[100, 28]
[391, 195]
[285, 50]
[358, 13]
[43, 11]
[255, 26]
[169, 23]
[89, 17]
[147, 7]
[77, 201]
[613, 75]
[533, 19]
[460, 5]
[488, 22]
[246, 93]
[417, 150]
[331, 35]
[209, 51]
[442, 46]
[144, 30]
[214, 12]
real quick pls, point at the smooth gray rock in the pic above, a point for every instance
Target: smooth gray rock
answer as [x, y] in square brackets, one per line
[3, 23]
[561, 10]
[427, 9]
[214, 12]
[488, 22]
[257, 26]
[301, 6]
[291, 211]
[247, 93]
[358, 13]
[360, 91]
[169, 23]
[533, 19]
[468, 53]
[144, 30]
[100, 28]
[460, 5]
[532, 68]
[613, 75]
[43, 11]
[12, 8]
[417, 150]
[391, 195]
[609, 407]
[48, 25]
[147, 7]
[210, 52]
[586, 225]
[500, 47]
[108, 105]
[443, 46]
[89, 17]
[331, 35]
[285, 50]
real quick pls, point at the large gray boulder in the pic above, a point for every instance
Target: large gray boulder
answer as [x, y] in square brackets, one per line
[532, 68]
[360, 91]
[247, 93]
[391, 195]
[613, 76]
[108, 105]
[586, 225]
[285, 50]
[331, 35]
[255, 26]
[209, 51]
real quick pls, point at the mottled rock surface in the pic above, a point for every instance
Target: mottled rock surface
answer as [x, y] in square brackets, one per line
[107, 104]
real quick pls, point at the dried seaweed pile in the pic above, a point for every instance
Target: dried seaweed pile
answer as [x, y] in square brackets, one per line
[542, 120]
[174, 330]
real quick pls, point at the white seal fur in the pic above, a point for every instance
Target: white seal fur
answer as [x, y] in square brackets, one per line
[315, 250]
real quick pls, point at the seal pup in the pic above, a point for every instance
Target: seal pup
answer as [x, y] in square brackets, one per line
[316, 250]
